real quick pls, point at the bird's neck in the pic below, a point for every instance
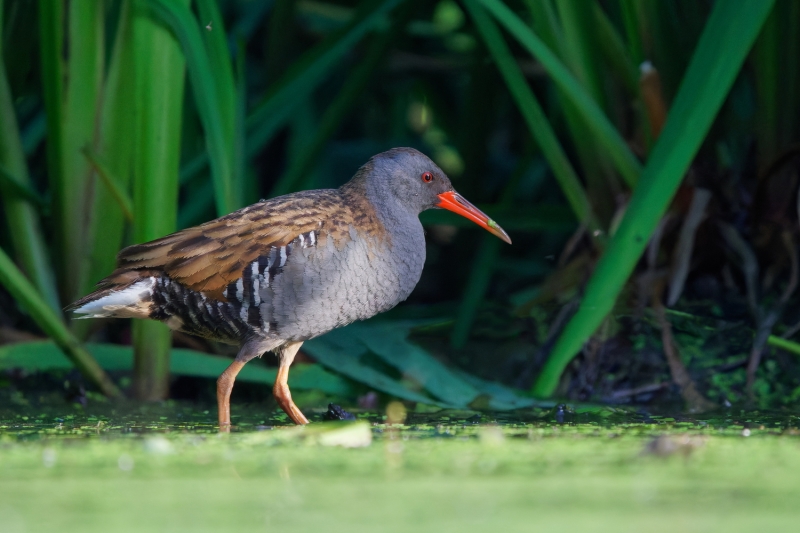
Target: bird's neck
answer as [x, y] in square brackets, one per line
[401, 230]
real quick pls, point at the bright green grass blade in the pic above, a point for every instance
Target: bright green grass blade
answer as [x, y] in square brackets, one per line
[159, 71]
[534, 117]
[82, 96]
[22, 218]
[729, 33]
[784, 344]
[45, 355]
[51, 41]
[219, 59]
[605, 133]
[52, 324]
[308, 72]
[112, 157]
[217, 120]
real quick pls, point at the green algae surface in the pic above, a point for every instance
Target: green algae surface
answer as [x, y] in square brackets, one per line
[164, 468]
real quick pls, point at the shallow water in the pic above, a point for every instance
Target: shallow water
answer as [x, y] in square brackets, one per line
[164, 468]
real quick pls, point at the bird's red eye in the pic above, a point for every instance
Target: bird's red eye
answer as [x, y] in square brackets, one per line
[427, 177]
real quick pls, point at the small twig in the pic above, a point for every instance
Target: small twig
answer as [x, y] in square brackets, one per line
[727, 366]
[121, 196]
[788, 241]
[653, 387]
[789, 333]
[771, 318]
[682, 255]
[759, 343]
[625, 393]
[650, 87]
[749, 265]
[696, 401]
[655, 241]
[571, 246]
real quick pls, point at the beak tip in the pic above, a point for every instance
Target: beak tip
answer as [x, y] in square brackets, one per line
[452, 201]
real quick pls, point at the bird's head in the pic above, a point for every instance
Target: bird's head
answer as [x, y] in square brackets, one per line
[408, 177]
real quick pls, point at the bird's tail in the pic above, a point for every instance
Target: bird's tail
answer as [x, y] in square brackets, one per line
[133, 299]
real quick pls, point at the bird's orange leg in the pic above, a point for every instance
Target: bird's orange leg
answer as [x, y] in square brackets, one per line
[224, 388]
[281, 389]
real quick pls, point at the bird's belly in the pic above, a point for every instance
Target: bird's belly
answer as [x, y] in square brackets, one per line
[329, 287]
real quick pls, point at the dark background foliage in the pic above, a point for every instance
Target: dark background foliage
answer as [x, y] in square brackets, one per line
[642, 155]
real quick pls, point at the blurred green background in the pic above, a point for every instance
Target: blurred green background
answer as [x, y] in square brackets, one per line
[642, 156]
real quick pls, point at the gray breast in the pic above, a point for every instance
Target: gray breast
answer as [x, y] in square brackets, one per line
[324, 287]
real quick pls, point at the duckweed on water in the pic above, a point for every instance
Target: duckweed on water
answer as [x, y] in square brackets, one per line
[164, 468]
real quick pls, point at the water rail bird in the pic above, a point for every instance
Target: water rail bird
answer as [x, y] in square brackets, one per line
[280, 272]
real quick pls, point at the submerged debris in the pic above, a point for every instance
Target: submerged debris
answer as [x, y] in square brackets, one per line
[563, 414]
[337, 413]
[666, 445]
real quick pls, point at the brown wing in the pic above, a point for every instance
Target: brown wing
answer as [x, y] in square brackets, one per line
[208, 257]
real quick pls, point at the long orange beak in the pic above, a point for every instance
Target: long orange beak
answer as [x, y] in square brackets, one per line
[452, 201]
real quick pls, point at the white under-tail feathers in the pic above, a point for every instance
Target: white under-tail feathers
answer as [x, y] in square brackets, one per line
[133, 301]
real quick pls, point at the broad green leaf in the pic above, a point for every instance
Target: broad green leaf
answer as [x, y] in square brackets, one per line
[389, 342]
[500, 397]
[341, 352]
